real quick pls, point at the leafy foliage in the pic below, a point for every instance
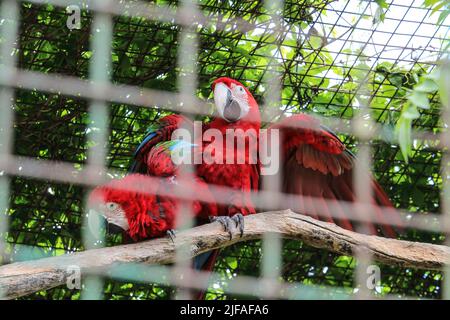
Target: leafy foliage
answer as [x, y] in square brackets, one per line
[439, 6]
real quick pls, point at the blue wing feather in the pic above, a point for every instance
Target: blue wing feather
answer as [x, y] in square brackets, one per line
[200, 260]
[147, 138]
[171, 146]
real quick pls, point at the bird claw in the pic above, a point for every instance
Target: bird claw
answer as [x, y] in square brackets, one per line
[238, 218]
[171, 234]
[226, 222]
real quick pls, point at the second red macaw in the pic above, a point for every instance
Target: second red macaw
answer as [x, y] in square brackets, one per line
[143, 208]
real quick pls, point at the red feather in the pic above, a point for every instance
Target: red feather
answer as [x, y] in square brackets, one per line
[242, 178]
[166, 126]
[149, 215]
[317, 165]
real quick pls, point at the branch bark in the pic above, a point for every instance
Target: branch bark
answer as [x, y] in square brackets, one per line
[22, 278]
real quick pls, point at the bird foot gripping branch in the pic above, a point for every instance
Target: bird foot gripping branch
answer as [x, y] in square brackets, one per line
[171, 233]
[227, 222]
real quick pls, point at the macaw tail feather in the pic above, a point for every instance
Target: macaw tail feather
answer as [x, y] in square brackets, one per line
[204, 262]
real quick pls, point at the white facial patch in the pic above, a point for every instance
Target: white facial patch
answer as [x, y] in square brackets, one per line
[114, 214]
[222, 95]
[241, 96]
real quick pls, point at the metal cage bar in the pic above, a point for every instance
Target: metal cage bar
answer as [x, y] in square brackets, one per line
[100, 66]
[9, 13]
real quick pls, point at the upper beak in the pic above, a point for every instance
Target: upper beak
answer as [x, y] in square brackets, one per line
[98, 223]
[225, 103]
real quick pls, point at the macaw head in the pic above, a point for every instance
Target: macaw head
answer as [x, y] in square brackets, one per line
[233, 101]
[130, 205]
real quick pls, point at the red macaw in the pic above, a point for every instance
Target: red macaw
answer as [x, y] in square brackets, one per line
[237, 109]
[147, 215]
[239, 115]
[144, 214]
[315, 162]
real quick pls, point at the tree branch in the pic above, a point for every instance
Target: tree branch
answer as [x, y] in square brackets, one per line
[22, 278]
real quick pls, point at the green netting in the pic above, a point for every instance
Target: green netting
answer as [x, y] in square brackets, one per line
[323, 58]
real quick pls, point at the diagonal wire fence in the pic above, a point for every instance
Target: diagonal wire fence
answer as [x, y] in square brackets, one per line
[279, 86]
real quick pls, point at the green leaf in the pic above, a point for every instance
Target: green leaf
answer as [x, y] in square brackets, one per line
[378, 16]
[410, 112]
[427, 85]
[419, 99]
[316, 42]
[403, 131]
[382, 4]
[442, 16]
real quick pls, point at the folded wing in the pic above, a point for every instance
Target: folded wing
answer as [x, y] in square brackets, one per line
[159, 132]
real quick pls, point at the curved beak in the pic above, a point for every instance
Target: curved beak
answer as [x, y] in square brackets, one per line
[98, 224]
[228, 107]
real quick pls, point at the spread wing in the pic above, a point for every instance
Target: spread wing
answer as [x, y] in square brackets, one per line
[317, 165]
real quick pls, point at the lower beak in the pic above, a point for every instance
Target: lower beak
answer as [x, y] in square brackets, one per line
[114, 229]
[98, 224]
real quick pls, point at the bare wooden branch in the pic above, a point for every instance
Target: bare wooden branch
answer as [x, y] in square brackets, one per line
[22, 278]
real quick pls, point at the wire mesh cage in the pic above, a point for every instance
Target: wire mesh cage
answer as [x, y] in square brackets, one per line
[77, 97]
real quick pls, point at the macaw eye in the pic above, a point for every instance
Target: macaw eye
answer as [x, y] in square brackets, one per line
[112, 206]
[240, 89]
